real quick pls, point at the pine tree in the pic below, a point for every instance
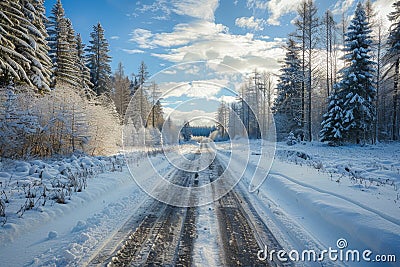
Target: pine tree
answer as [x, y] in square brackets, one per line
[394, 56]
[99, 60]
[158, 115]
[73, 69]
[356, 87]
[143, 74]
[288, 102]
[39, 72]
[155, 117]
[332, 128]
[62, 48]
[13, 36]
[84, 72]
[141, 103]
[23, 57]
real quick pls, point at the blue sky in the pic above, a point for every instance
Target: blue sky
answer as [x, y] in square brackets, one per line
[243, 34]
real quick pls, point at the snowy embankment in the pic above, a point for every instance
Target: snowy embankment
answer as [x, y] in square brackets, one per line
[65, 233]
[315, 195]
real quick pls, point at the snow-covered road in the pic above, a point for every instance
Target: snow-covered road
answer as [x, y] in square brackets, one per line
[308, 203]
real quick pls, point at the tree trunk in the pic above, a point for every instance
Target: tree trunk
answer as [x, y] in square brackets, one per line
[395, 99]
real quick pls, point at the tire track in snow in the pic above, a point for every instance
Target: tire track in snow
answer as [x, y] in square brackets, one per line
[363, 206]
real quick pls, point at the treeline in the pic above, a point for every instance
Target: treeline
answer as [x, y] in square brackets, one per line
[58, 96]
[338, 81]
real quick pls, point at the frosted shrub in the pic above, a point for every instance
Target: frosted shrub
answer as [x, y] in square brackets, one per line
[291, 140]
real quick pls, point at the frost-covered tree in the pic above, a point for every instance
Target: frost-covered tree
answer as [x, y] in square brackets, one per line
[143, 74]
[287, 105]
[307, 24]
[170, 133]
[158, 115]
[394, 58]
[121, 91]
[332, 128]
[357, 83]
[103, 125]
[22, 46]
[155, 118]
[63, 117]
[39, 72]
[153, 137]
[354, 95]
[62, 48]
[98, 60]
[10, 65]
[141, 107]
[84, 72]
[17, 126]
[53, 29]
[130, 135]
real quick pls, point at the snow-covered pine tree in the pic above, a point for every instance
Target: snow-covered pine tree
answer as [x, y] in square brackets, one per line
[332, 128]
[287, 105]
[98, 60]
[155, 117]
[154, 137]
[140, 108]
[357, 81]
[394, 56]
[13, 64]
[62, 48]
[159, 115]
[84, 77]
[53, 29]
[39, 72]
[75, 70]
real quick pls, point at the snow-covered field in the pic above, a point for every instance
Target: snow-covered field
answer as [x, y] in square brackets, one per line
[66, 234]
[314, 195]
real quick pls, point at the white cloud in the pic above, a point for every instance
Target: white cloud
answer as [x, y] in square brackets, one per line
[264, 37]
[250, 23]
[228, 99]
[133, 51]
[114, 37]
[278, 8]
[142, 37]
[200, 9]
[209, 41]
[182, 34]
[257, 4]
[342, 7]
